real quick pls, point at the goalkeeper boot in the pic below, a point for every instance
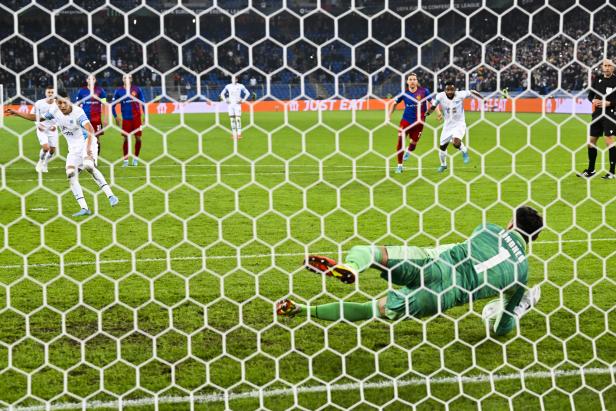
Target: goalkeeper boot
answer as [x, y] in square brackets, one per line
[406, 156]
[82, 212]
[39, 166]
[113, 201]
[587, 173]
[441, 168]
[287, 308]
[125, 163]
[466, 158]
[328, 266]
[609, 176]
[135, 162]
[399, 169]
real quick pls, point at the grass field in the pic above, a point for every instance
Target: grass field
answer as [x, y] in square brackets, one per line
[171, 293]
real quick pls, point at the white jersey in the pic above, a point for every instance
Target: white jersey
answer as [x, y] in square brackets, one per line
[234, 92]
[72, 125]
[39, 109]
[453, 109]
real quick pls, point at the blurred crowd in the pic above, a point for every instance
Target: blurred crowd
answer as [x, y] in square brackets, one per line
[543, 61]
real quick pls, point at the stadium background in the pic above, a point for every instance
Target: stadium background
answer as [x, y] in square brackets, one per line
[168, 302]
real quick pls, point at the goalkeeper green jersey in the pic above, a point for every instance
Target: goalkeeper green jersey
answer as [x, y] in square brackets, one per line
[492, 262]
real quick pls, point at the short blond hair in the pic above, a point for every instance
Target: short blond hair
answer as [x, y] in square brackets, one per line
[608, 61]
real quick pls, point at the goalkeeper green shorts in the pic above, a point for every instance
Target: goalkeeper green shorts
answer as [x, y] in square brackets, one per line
[422, 277]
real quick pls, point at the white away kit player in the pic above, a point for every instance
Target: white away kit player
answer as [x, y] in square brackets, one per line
[232, 95]
[46, 130]
[450, 105]
[82, 149]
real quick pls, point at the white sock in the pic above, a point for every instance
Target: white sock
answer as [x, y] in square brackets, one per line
[442, 155]
[238, 125]
[233, 127]
[463, 148]
[48, 157]
[100, 180]
[42, 155]
[77, 191]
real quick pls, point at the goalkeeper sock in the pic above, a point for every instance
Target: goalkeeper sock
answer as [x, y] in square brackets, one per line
[592, 158]
[442, 155]
[42, 155]
[100, 180]
[361, 257]
[612, 152]
[350, 311]
[77, 191]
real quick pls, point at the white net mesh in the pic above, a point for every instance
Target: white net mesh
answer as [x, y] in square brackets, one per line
[167, 300]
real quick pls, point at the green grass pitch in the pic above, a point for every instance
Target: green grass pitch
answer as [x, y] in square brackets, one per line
[170, 293]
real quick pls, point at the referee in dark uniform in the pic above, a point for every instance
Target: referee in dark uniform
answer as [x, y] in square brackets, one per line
[602, 95]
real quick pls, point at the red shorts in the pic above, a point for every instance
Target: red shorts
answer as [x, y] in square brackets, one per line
[412, 130]
[98, 127]
[132, 126]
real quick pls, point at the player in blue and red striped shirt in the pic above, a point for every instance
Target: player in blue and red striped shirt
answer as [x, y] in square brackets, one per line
[415, 109]
[130, 98]
[91, 98]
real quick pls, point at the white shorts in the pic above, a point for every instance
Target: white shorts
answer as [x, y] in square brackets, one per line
[235, 109]
[75, 158]
[457, 130]
[47, 136]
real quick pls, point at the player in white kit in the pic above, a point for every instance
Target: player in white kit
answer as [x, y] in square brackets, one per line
[232, 95]
[450, 104]
[46, 130]
[82, 149]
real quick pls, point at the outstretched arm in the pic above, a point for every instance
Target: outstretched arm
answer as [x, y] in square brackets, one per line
[477, 94]
[26, 116]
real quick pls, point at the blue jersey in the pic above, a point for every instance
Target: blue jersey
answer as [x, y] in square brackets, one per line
[131, 106]
[413, 100]
[92, 104]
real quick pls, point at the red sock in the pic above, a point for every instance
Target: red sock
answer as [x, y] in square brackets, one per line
[125, 148]
[137, 146]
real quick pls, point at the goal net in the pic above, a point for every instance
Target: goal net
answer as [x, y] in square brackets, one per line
[168, 300]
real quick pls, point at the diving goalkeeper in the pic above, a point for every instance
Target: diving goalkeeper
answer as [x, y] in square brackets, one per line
[492, 262]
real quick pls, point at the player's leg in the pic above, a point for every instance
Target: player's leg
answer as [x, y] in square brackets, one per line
[137, 136]
[43, 139]
[89, 164]
[126, 129]
[238, 121]
[446, 137]
[348, 311]
[53, 143]
[73, 161]
[459, 144]
[98, 132]
[232, 121]
[402, 130]
[414, 133]
[609, 141]
[596, 131]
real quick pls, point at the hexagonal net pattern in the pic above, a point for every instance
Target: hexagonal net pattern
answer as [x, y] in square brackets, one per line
[168, 300]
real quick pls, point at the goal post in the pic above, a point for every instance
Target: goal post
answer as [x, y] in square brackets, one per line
[168, 300]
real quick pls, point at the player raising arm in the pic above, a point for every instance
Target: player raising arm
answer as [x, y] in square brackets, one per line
[451, 103]
[492, 262]
[415, 100]
[234, 94]
[82, 149]
[46, 130]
